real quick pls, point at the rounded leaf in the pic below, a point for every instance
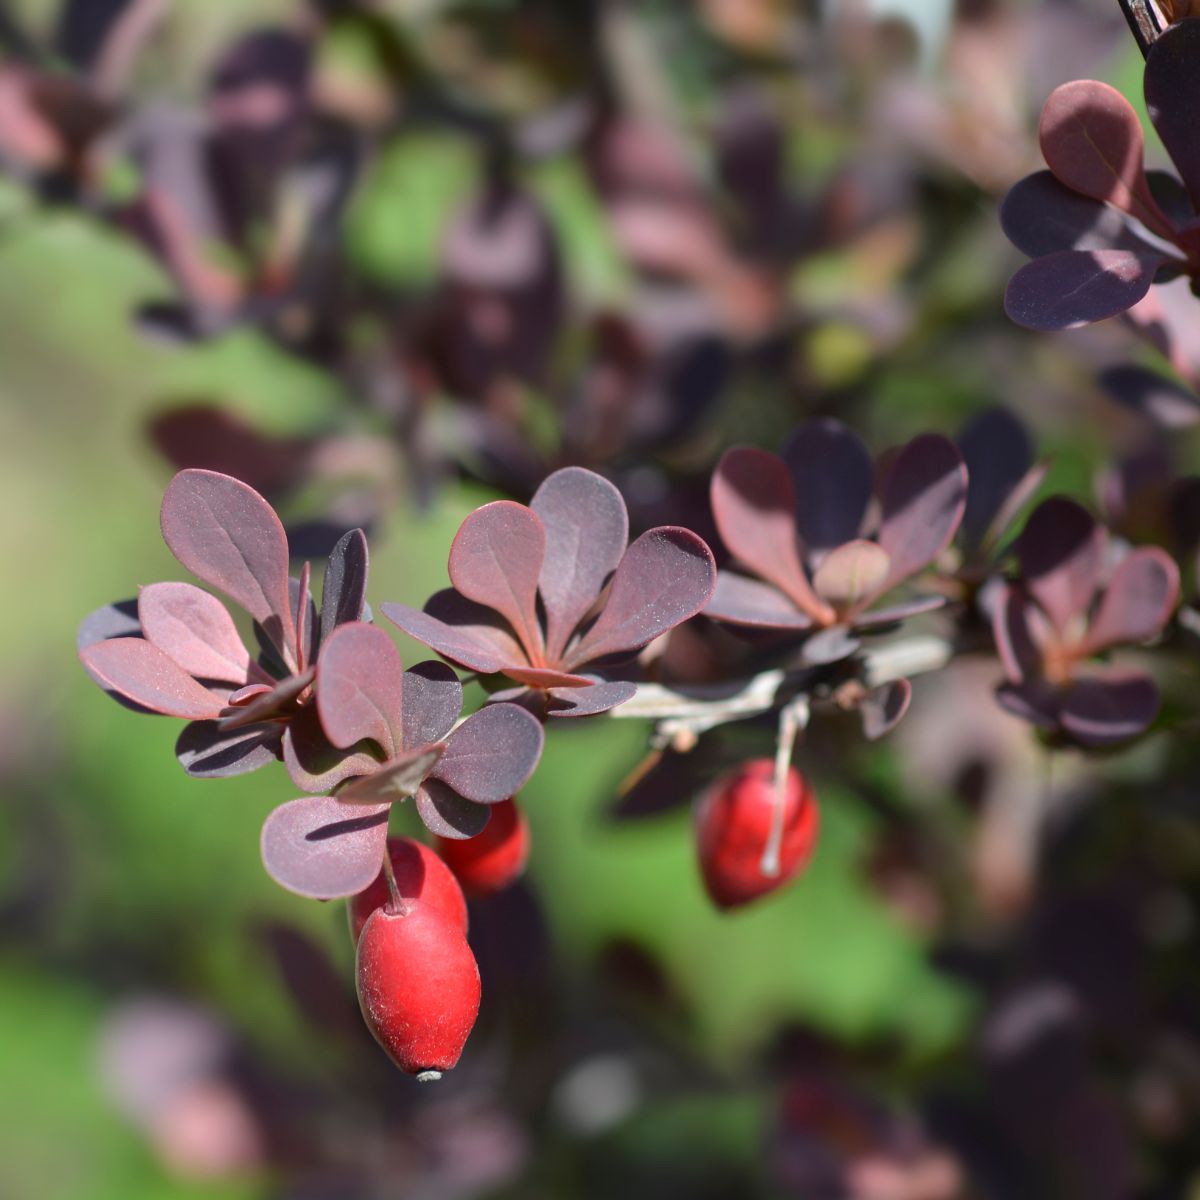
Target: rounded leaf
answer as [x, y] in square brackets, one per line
[140, 672]
[1078, 287]
[1061, 551]
[360, 688]
[1172, 89]
[195, 630]
[1138, 602]
[492, 754]
[833, 477]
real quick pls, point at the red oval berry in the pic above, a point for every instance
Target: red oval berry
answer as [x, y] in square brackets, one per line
[493, 859]
[418, 987]
[733, 825]
[420, 875]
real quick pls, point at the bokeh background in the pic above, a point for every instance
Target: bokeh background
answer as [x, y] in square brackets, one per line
[984, 985]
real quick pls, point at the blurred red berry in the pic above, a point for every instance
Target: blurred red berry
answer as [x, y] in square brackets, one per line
[420, 875]
[733, 826]
[418, 986]
[490, 861]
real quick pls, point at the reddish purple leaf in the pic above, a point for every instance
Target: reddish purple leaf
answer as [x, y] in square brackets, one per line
[833, 477]
[496, 559]
[360, 688]
[1078, 287]
[447, 814]
[1061, 550]
[463, 631]
[344, 588]
[1041, 216]
[397, 779]
[754, 505]
[304, 616]
[195, 630]
[666, 576]
[1172, 91]
[1109, 708]
[317, 847]
[882, 708]
[542, 677]
[280, 700]
[587, 529]
[586, 702]
[312, 763]
[923, 499]
[851, 574]
[492, 754]
[208, 752]
[744, 601]
[226, 534]
[140, 672]
[116, 620]
[433, 698]
[898, 612]
[1138, 601]
[1092, 140]
[1015, 629]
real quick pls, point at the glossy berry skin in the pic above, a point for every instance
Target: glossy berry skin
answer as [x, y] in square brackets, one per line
[420, 875]
[733, 824]
[418, 987]
[490, 861]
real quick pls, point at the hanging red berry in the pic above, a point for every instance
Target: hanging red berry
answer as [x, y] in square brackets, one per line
[490, 861]
[418, 987]
[420, 875]
[733, 829]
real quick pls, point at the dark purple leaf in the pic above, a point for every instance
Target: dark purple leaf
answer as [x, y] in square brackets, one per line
[496, 559]
[317, 847]
[396, 779]
[116, 620]
[586, 702]
[344, 588]
[1173, 98]
[465, 632]
[1109, 708]
[208, 752]
[140, 672]
[360, 688]
[829, 646]
[832, 474]
[1092, 140]
[447, 814]
[997, 453]
[1015, 629]
[754, 505]
[226, 534]
[1077, 287]
[1033, 700]
[666, 576]
[587, 529]
[1061, 550]
[898, 612]
[883, 707]
[744, 601]
[195, 630]
[275, 703]
[1164, 402]
[1041, 216]
[851, 574]
[492, 754]
[923, 498]
[1138, 601]
[433, 699]
[313, 764]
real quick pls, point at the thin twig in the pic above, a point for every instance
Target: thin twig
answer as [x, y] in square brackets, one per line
[1144, 22]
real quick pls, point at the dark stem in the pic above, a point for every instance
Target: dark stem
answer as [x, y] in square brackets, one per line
[1143, 21]
[396, 904]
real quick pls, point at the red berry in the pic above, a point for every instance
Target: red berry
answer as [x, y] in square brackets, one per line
[420, 875]
[733, 826]
[418, 986]
[493, 859]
